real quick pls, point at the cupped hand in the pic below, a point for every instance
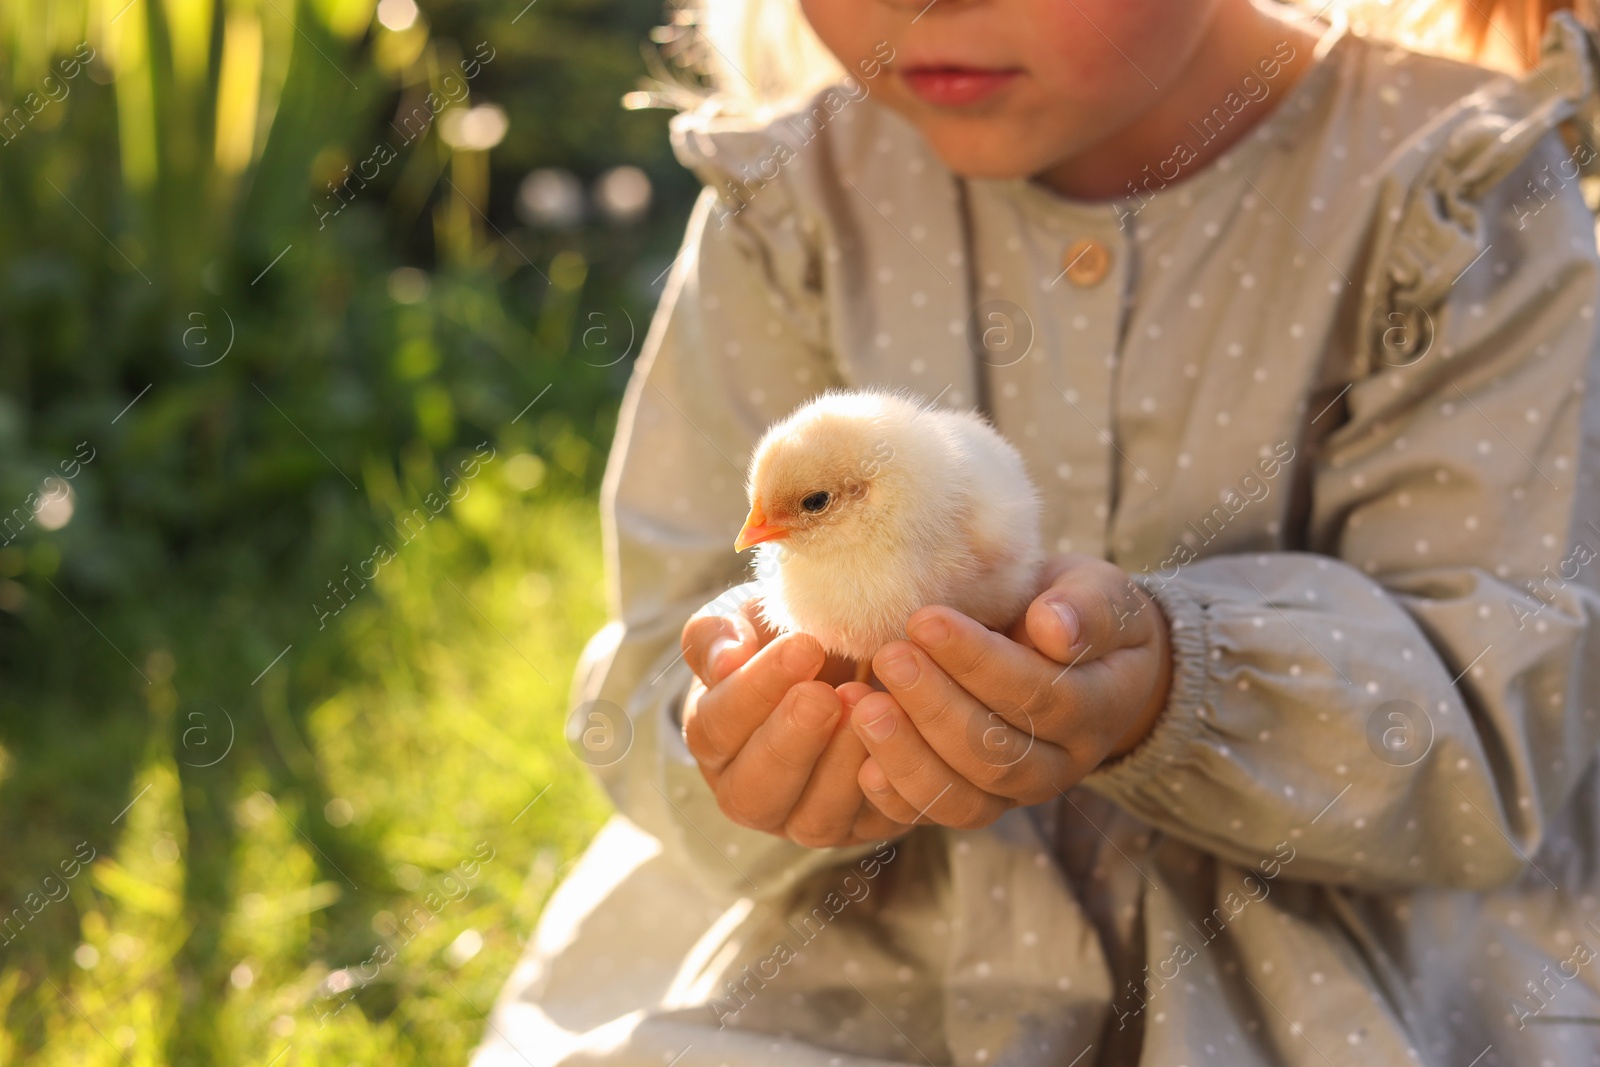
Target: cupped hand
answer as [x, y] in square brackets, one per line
[770, 734]
[975, 722]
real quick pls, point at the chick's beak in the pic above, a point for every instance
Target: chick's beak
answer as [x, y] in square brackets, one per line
[757, 529]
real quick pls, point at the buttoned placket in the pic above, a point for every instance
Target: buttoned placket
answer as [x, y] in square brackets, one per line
[1061, 269]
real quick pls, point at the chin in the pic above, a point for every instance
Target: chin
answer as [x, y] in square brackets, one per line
[985, 153]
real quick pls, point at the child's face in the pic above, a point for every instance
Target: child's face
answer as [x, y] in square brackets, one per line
[1012, 88]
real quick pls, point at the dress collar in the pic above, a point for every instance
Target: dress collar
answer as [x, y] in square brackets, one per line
[1279, 130]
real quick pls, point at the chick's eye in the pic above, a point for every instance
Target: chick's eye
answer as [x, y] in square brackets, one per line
[815, 502]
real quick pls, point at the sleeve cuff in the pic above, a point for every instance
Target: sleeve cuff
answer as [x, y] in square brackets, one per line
[1187, 700]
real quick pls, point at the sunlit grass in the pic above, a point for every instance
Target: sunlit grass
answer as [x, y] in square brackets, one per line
[313, 841]
[441, 751]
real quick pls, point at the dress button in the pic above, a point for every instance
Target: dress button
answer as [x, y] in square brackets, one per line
[1086, 262]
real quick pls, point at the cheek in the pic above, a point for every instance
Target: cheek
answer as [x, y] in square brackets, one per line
[1111, 52]
[847, 28]
[1094, 66]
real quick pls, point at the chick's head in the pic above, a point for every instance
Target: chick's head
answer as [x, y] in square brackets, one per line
[819, 476]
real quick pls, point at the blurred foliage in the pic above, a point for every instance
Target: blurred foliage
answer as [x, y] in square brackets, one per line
[255, 310]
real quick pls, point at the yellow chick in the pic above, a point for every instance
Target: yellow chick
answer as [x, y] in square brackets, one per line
[869, 505]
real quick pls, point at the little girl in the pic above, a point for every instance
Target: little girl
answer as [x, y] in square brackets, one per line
[1293, 759]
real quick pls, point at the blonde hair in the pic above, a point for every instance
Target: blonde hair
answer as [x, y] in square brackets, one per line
[1501, 33]
[738, 56]
[764, 51]
[750, 56]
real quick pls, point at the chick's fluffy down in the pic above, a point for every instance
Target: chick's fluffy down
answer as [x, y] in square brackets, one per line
[926, 506]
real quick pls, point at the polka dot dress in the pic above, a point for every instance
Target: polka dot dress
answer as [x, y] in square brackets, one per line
[1328, 401]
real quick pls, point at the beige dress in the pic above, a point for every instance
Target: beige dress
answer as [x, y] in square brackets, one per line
[1326, 398]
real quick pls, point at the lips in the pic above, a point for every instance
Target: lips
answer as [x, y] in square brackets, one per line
[951, 86]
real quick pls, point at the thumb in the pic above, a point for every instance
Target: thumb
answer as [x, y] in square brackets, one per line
[715, 646]
[1087, 613]
[1055, 629]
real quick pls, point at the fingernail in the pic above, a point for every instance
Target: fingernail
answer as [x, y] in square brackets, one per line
[931, 631]
[718, 647]
[798, 657]
[813, 708]
[1069, 620]
[899, 669]
[879, 726]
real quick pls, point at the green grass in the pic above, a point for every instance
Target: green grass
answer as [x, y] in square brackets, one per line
[216, 908]
[268, 799]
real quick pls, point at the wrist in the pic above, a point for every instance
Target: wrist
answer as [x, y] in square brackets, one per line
[1145, 721]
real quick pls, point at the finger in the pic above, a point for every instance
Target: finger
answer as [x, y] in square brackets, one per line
[831, 800]
[916, 771]
[881, 795]
[1019, 632]
[760, 786]
[873, 825]
[691, 704]
[987, 669]
[714, 646]
[852, 692]
[982, 702]
[1089, 609]
[836, 670]
[728, 713]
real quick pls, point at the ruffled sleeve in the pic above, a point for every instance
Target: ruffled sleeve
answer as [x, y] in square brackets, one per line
[735, 344]
[754, 200]
[1440, 230]
[1413, 701]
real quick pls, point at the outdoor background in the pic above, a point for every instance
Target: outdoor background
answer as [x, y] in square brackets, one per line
[260, 296]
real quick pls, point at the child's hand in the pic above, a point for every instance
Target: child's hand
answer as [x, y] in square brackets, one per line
[770, 738]
[976, 722]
